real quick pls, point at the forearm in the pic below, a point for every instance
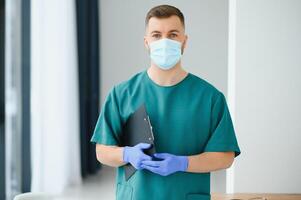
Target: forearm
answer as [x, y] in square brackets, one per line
[110, 155]
[209, 161]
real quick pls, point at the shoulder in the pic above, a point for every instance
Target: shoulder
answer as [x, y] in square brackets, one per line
[206, 87]
[132, 83]
[209, 91]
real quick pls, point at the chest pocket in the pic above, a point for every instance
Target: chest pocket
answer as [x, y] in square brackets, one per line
[124, 192]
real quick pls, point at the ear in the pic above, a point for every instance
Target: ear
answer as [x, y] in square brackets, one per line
[146, 43]
[185, 42]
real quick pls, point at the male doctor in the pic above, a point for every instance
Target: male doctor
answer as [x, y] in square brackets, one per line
[192, 126]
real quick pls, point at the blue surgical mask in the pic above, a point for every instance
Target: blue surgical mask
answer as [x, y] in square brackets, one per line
[165, 53]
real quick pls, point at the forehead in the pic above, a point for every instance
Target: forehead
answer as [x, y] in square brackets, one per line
[164, 25]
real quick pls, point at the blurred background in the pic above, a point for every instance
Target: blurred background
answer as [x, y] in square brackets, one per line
[58, 60]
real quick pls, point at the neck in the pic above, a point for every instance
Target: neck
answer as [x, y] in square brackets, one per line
[166, 77]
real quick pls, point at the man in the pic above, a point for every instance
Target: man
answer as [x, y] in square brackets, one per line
[191, 122]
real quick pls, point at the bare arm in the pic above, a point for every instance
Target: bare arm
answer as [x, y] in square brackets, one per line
[110, 155]
[210, 161]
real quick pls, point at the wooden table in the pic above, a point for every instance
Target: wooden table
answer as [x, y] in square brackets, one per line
[255, 196]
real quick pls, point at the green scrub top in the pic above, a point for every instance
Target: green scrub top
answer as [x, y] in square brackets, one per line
[188, 118]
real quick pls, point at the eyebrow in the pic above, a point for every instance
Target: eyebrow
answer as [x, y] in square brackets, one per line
[174, 30]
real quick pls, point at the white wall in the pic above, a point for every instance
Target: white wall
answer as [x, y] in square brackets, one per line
[122, 31]
[123, 54]
[268, 96]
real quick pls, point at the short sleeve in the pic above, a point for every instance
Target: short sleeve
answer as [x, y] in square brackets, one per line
[222, 134]
[108, 125]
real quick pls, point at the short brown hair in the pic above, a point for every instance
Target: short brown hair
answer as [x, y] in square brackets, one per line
[164, 11]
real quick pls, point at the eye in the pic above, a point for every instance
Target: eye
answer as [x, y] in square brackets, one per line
[156, 35]
[173, 35]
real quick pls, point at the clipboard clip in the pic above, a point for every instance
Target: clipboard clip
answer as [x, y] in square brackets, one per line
[151, 128]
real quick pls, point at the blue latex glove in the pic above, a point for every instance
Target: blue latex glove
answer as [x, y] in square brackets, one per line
[170, 164]
[134, 155]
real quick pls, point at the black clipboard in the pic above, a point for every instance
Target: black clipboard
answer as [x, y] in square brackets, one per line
[137, 129]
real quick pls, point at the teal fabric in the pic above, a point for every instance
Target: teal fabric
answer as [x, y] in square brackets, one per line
[188, 118]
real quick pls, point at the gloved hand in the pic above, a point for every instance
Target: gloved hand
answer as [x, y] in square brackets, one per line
[170, 164]
[135, 154]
